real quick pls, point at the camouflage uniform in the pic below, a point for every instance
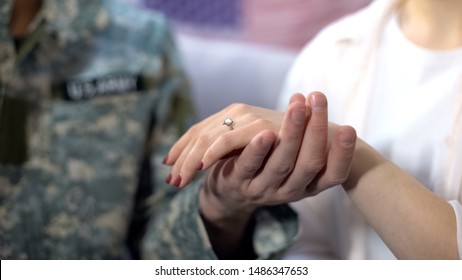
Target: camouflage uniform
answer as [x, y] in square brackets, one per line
[98, 94]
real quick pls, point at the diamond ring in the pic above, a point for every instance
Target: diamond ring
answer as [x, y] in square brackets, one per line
[229, 123]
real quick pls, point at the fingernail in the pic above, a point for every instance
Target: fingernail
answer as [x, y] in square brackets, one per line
[177, 181]
[164, 161]
[319, 102]
[298, 116]
[347, 140]
[200, 166]
[168, 179]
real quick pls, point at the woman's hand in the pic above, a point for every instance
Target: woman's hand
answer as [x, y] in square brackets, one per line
[209, 140]
[305, 157]
[303, 138]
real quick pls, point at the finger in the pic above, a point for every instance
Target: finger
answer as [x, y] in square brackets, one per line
[180, 146]
[204, 133]
[239, 138]
[339, 159]
[297, 97]
[313, 155]
[215, 142]
[190, 162]
[202, 154]
[192, 134]
[316, 134]
[252, 157]
[187, 153]
[184, 167]
[234, 140]
[284, 154]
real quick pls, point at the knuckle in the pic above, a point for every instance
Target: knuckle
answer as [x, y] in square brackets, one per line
[233, 106]
[219, 148]
[255, 195]
[315, 165]
[225, 140]
[194, 129]
[237, 109]
[247, 112]
[203, 141]
[282, 170]
[186, 171]
[336, 179]
[319, 128]
[216, 150]
[212, 153]
[247, 168]
[260, 122]
[289, 195]
[240, 107]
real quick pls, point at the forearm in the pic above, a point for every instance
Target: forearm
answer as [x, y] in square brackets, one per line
[413, 222]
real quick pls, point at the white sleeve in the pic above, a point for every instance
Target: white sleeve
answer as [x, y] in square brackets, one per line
[317, 230]
[458, 211]
[326, 224]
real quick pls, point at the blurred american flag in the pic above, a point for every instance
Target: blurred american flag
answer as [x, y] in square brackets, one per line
[282, 23]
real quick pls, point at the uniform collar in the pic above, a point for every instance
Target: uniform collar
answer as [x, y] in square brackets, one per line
[68, 21]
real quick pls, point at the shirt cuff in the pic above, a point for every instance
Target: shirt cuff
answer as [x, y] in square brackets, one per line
[275, 230]
[178, 232]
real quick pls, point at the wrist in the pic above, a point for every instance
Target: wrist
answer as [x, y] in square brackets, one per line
[230, 228]
[218, 209]
[366, 161]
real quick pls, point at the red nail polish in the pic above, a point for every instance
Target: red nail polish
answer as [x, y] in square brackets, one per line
[177, 181]
[169, 178]
[200, 166]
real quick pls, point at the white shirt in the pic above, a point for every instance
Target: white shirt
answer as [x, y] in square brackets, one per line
[400, 97]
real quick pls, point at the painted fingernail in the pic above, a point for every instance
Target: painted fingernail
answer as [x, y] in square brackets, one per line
[200, 166]
[177, 181]
[319, 102]
[164, 161]
[168, 179]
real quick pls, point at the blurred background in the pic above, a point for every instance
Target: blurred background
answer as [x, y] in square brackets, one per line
[241, 50]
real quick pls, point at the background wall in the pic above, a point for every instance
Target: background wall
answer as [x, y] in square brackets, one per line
[241, 50]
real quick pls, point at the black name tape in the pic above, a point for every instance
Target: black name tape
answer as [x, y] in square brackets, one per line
[110, 85]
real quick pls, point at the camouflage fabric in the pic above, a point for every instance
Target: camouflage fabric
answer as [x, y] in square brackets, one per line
[92, 184]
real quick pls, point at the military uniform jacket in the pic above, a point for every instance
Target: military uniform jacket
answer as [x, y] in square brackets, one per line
[91, 101]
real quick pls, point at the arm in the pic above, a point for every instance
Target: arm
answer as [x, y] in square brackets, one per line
[271, 170]
[413, 221]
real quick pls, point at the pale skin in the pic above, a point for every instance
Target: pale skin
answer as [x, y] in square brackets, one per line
[413, 222]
